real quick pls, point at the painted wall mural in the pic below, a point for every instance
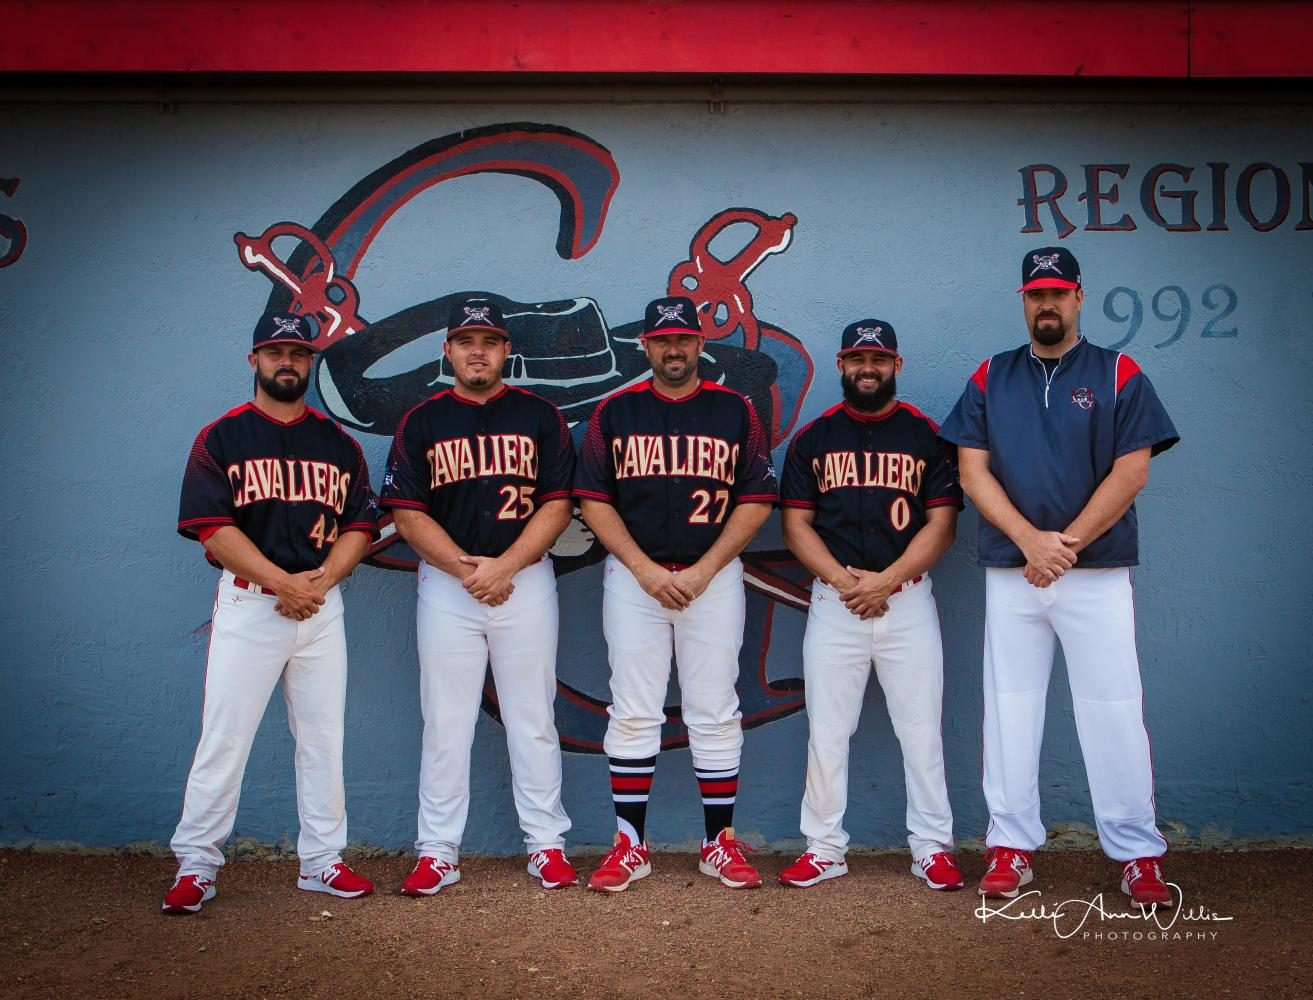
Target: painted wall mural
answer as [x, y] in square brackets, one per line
[140, 247]
[370, 373]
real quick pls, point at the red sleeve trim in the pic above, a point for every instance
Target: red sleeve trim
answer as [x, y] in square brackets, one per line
[801, 504]
[198, 521]
[594, 496]
[369, 530]
[981, 377]
[1126, 370]
[409, 504]
[205, 534]
[555, 495]
[758, 498]
[945, 502]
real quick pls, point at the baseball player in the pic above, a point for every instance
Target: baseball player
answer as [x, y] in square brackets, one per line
[479, 483]
[279, 496]
[674, 479]
[1054, 441]
[870, 500]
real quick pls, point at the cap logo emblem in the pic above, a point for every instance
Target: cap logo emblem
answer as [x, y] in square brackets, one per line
[1083, 397]
[1049, 263]
[292, 326]
[477, 314]
[870, 335]
[672, 314]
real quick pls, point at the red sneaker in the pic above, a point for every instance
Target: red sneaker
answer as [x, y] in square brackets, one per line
[809, 869]
[722, 858]
[1142, 880]
[626, 863]
[430, 877]
[550, 866]
[1009, 869]
[939, 871]
[188, 894]
[337, 880]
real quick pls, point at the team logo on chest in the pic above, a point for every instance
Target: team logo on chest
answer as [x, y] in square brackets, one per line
[1083, 397]
[458, 459]
[700, 455]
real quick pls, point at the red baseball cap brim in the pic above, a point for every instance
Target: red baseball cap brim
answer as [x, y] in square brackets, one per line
[672, 331]
[854, 350]
[1048, 283]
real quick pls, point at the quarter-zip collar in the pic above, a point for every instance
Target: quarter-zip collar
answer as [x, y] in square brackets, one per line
[1049, 376]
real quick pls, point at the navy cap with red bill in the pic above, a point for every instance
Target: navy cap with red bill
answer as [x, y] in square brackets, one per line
[1049, 267]
[869, 335]
[277, 328]
[671, 316]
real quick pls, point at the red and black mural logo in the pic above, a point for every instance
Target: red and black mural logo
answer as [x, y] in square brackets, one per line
[370, 372]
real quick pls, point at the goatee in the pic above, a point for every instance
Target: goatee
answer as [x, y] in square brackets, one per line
[869, 402]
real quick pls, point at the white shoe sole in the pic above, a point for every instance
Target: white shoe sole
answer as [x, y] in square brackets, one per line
[311, 883]
[707, 869]
[533, 870]
[946, 886]
[451, 878]
[642, 871]
[1027, 877]
[837, 870]
[177, 910]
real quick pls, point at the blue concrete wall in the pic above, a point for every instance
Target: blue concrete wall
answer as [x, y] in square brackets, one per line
[126, 319]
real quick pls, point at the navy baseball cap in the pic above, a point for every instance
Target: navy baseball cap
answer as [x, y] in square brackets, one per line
[1049, 267]
[674, 314]
[277, 327]
[868, 335]
[476, 314]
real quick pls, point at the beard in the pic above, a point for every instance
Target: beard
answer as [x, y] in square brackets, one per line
[283, 392]
[1048, 335]
[868, 402]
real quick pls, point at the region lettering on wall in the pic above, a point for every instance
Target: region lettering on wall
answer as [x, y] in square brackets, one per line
[368, 374]
[12, 230]
[1171, 197]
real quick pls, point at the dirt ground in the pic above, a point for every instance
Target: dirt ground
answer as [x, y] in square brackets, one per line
[90, 926]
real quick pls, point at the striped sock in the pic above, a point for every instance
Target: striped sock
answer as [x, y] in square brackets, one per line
[631, 783]
[719, 789]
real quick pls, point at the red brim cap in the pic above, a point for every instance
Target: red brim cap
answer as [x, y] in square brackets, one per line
[286, 340]
[854, 350]
[671, 331]
[1048, 283]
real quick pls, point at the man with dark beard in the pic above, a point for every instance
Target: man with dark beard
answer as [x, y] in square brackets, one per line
[870, 500]
[279, 496]
[1054, 440]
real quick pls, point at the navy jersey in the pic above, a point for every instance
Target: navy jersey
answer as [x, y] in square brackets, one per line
[675, 469]
[1052, 439]
[291, 488]
[870, 480]
[480, 470]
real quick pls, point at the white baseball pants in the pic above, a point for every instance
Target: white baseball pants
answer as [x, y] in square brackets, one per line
[458, 637]
[837, 653]
[705, 639]
[252, 648]
[1091, 612]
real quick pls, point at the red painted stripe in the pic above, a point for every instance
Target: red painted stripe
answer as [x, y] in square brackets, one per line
[1126, 370]
[1012, 38]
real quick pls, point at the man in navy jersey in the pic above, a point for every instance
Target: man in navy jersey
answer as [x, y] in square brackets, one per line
[279, 496]
[1054, 441]
[674, 479]
[870, 499]
[479, 483]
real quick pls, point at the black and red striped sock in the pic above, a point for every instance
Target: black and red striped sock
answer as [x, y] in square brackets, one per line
[631, 783]
[719, 789]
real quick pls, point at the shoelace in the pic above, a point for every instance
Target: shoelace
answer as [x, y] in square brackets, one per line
[620, 854]
[1004, 857]
[731, 850]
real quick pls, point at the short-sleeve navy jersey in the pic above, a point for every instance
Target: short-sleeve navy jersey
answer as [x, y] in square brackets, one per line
[1053, 438]
[870, 479]
[291, 488]
[675, 469]
[480, 470]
